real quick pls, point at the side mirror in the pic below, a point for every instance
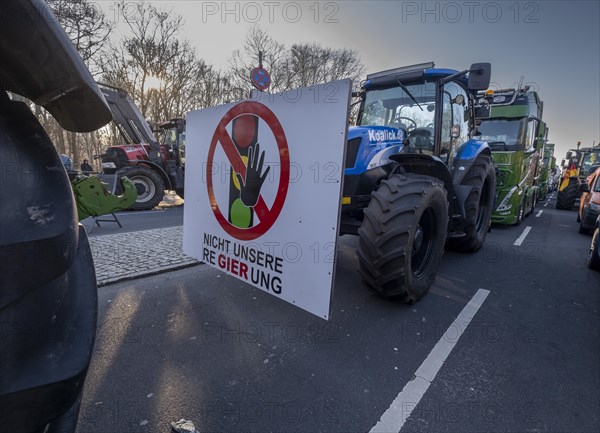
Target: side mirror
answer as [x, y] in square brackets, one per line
[480, 75]
[569, 155]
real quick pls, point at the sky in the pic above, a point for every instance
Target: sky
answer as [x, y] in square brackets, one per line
[553, 45]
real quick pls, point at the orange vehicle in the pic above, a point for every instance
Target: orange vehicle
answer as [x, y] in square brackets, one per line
[589, 206]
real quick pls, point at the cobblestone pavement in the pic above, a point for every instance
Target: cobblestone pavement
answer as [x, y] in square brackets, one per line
[136, 254]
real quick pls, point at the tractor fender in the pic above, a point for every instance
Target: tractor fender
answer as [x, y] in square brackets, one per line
[157, 168]
[427, 165]
[465, 157]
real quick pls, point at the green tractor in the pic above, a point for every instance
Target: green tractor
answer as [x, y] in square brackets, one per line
[510, 121]
[578, 164]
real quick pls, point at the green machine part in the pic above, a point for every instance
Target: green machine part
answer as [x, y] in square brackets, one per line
[93, 199]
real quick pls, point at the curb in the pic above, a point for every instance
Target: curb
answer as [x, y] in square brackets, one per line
[109, 281]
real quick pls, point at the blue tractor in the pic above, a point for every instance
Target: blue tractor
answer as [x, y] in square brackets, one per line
[416, 180]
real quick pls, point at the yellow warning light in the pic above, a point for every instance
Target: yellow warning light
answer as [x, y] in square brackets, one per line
[489, 92]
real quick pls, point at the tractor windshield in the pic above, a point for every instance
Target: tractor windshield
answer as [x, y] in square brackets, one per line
[504, 134]
[396, 108]
[590, 160]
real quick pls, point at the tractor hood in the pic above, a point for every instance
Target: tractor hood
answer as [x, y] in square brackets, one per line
[371, 146]
[40, 63]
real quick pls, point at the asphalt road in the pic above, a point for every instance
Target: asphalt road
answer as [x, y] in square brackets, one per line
[136, 221]
[200, 345]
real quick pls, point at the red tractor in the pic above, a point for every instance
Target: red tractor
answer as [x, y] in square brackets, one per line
[153, 167]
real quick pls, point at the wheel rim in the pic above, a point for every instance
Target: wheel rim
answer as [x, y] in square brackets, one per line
[423, 249]
[145, 188]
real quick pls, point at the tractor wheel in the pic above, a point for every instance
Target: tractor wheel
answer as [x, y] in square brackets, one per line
[149, 185]
[593, 261]
[565, 199]
[402, 236]
[478, 205]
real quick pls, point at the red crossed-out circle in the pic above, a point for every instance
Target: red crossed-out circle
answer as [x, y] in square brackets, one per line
[266, 216]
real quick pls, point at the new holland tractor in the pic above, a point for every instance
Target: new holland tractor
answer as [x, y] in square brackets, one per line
[516, 134]
[578, 164]
[416, 180]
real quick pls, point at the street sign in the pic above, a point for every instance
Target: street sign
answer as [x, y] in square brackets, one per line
[260, 78]
[263, 190]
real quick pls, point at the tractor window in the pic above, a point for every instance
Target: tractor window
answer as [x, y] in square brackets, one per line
[396, 108]
[503, 134]
[454, 114]
[589, 160]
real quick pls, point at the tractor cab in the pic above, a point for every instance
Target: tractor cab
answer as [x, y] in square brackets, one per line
[171, 136]
[417, 110]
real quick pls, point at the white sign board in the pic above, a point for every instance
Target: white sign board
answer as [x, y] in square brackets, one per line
[263, 190]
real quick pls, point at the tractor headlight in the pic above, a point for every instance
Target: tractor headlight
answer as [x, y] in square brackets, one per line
[108, 165]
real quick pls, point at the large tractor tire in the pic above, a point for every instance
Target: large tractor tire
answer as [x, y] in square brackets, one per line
[478, 205]
[150, 187]
[565, 199]
[402, 236]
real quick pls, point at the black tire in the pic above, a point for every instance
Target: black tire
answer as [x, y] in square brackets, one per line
[478, 205]
[593, 260]
[565, 199]
[520, 213]
[149, 184]
[180, 193]
[67, 422]
[407, 213]
[582, 229]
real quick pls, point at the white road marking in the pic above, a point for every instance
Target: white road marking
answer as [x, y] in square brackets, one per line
[546, 204]
[539, 213]
[396, 415]
[521, 238]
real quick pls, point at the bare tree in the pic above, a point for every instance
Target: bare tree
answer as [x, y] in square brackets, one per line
[157, 67]
[88, 29]
[86, 26]
[274, 57]
[297, 66]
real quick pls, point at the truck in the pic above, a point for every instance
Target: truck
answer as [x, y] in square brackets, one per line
[577, 165]
[416, 178]
[547, 171]
[516, 135]
[152, 166]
